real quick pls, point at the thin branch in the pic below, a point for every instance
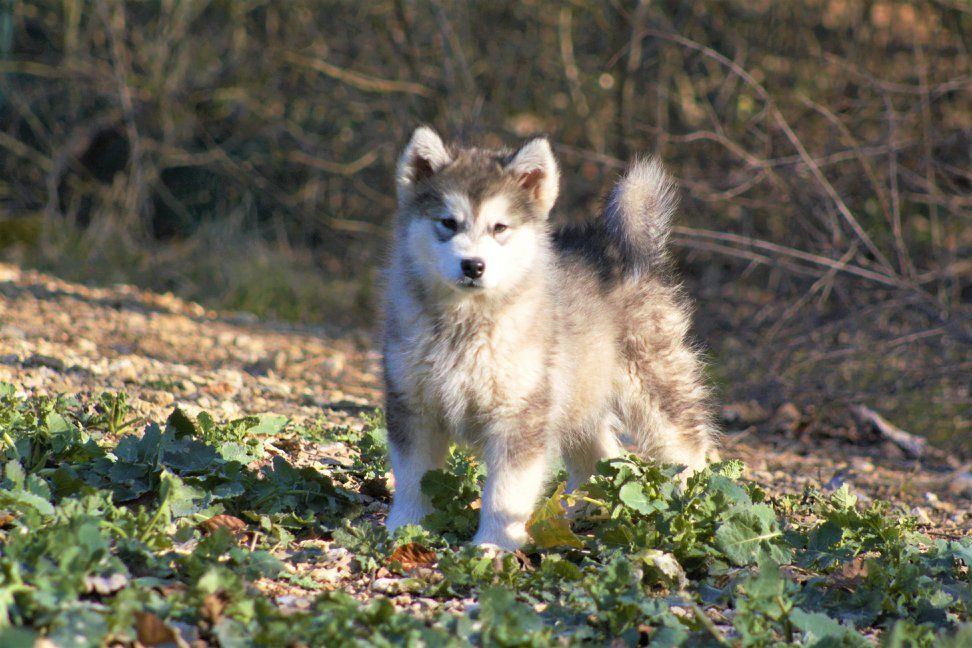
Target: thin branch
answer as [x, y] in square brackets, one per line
[338, 168]
[358, 80]
[816, 259]
[570, 64]
[787, 130]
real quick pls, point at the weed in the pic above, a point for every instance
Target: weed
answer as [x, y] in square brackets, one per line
[100, 539]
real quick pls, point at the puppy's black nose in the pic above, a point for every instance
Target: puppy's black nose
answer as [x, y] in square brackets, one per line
[473, 268]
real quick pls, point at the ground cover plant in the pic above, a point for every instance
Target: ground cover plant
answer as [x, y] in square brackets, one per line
[188, 530]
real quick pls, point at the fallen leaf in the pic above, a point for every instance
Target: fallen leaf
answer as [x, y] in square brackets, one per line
[231, 523]
[856, 568]
[152, 630]
[413, 555]
[524, 560]
[105, 584]
[549, 526]
[377, 488]
[212, 608]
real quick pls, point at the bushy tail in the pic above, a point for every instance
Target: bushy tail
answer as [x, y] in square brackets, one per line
[638, 216]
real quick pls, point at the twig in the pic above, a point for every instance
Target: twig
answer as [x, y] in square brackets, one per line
[784, 125]
[815, 259]
[914, 445]
[339, 168]
[358, 80]
[904, 259]
[121, 67]
[570, 64]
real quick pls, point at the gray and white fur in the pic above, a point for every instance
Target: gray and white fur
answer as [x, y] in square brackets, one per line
[524, 343]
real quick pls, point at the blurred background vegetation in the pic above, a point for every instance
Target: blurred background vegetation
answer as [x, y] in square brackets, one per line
[240, 153]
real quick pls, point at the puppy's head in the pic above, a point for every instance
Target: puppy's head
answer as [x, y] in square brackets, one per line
[475, 220]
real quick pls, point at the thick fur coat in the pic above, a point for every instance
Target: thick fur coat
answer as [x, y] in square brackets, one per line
[528, 344]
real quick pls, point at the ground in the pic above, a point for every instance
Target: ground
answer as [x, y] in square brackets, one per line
[61, 338]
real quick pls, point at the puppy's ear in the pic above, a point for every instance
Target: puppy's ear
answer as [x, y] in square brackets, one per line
[422, 158]
[535, 168]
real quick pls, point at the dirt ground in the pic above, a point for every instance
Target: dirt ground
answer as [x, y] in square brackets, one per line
[58, 337]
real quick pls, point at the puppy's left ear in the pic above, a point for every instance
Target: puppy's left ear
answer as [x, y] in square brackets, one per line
[535, 169]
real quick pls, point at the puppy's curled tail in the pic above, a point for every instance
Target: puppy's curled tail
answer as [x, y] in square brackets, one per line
[638, 217]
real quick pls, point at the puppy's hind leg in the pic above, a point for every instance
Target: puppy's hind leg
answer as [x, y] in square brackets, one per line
[658, 436]
[416, 447]
[582, 454]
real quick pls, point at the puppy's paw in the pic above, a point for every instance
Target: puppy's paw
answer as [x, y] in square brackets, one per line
[491, 550]
[507, 537]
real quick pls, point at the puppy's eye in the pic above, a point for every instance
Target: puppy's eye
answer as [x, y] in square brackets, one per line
[499, 228]
[449, 223]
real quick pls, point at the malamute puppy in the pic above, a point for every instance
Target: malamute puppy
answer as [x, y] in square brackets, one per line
[526, 343]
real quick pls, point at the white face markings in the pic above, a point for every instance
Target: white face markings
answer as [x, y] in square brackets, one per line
[488, 235]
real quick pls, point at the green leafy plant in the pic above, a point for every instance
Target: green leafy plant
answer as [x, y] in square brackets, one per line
[101, 536]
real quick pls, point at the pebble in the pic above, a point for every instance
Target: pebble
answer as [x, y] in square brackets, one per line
[786, 418]
[124, 369]
[163, 398]
[84, 345]
[960, 483]
[291, 601]
[387, 585]
[921, 515]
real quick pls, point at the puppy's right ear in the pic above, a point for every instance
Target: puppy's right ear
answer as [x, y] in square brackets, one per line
[422, 158]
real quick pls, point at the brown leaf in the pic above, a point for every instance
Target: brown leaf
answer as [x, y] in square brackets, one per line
[413, 555]
[377, 488]
[212, 608]
[233, 524]
[152, 631]
[856, 568]
[525, 563]
[6, 519]
[850, 574]
[105, 584]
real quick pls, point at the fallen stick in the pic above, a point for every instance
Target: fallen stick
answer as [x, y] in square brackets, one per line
[915, 446]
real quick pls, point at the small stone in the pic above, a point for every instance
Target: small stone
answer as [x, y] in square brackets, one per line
[124, 369]
[85, 345]
[387, 585]
[960, 483]
[921, 515]
[160, 398]
[786, 418]
[741, 415]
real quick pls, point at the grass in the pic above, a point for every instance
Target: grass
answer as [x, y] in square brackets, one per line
[222, 266]
[181, 530]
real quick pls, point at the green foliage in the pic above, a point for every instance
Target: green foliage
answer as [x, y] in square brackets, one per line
[452, 492]
[98, 527]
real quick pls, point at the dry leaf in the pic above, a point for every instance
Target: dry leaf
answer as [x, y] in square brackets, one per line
[412, 556]
[524, 560]
[152, 630]
[212, 608]
[856, 568]
[233, 524]
[850, 574]
[105, 584]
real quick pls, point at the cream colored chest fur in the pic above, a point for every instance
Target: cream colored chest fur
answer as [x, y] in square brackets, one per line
[471, 371]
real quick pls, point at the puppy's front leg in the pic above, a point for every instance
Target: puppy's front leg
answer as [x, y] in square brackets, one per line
[514, 480]
[416, 446]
